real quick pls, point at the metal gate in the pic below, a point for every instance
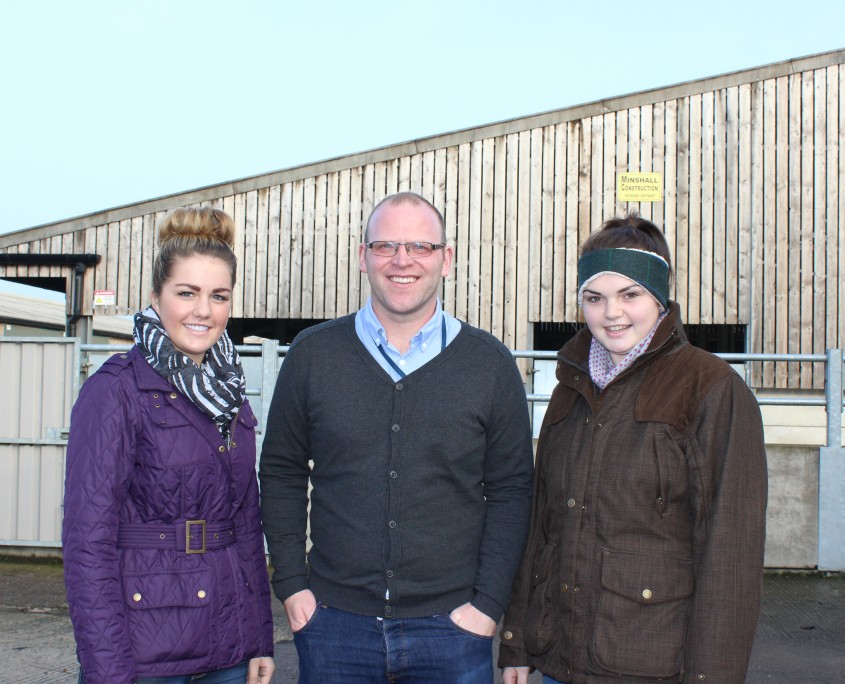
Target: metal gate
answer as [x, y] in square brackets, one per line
[40, 378]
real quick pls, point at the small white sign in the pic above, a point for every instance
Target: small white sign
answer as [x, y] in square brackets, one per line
[103, 297]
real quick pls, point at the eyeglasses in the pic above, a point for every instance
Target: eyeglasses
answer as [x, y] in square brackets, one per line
[414, 249]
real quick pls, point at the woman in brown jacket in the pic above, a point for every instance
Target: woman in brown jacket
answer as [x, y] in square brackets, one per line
[644, 560]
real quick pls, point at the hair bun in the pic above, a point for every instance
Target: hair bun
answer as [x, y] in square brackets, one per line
[203, 224]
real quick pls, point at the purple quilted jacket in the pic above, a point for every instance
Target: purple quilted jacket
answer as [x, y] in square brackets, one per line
[142, 460]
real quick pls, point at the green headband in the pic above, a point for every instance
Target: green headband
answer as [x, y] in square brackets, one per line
[646, 268]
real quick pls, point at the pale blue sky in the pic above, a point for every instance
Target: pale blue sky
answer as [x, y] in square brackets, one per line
[104, 103]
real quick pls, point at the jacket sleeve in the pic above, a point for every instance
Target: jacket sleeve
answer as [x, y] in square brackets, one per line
[284, 471]
[100, 455]
[508, 469]
[728, 466]
[512, 651]
[254, 550]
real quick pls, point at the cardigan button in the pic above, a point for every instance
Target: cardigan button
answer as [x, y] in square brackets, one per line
[392, 524]
[400, 386]
[395, 428]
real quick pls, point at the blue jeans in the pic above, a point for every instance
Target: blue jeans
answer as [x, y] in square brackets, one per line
[337, 647]
[231, 675]
[549, 680]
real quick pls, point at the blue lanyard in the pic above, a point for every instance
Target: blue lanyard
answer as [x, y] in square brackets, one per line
[398, 370]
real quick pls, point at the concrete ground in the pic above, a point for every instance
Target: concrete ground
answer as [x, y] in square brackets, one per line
[800, 637]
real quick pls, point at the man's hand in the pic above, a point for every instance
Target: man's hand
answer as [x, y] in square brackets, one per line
[299, 608]
[515, 675]
[260, 670]
[471, 619]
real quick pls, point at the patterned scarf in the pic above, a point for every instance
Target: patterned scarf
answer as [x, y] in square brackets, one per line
[217, 388]
[602, 368]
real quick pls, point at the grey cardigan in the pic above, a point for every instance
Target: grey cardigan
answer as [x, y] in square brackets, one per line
[421, 487]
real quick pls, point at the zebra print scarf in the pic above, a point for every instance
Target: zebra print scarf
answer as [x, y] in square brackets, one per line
[217, 388]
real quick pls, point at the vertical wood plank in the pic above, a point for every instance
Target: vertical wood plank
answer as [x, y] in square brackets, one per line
[706, 257]
[309, 192]
[450, 216]
[239, 217]
[318, 304]
[332, 203]
[815, 282]
[558, 228]
[296, 247]
[610, 167]
[695, 238]
[782, 221]
[358, 290]
[670, 180]
[136, 246]
[123, 265]
[262, 240]
[721, 174]
[344, 265]
[485, 294]
[833, 199]
[501, 303]
[535, 227]
[574, 212]
[462, 245]
[646, 141]
[474, 244]
[511, 237]
[796, 159]
[285, 249]
[250, 222]
[274, 254]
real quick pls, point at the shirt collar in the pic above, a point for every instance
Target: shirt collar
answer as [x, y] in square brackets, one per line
[374, 328]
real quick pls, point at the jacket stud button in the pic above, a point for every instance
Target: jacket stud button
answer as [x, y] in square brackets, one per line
[124, 356]
[576, 378]
[217, 536]
[647, 594]
[158, 405]
[507, 635]
[155, 396]
[570, 503]
[201, 593]
[701, 676]
[161, 536]
[234, 444]
[564, 588]
[221, 449]
[136, 597]
[173, 395]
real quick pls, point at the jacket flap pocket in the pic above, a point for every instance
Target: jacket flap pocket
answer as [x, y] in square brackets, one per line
[168, 590]
[560, 404]
[646, 578]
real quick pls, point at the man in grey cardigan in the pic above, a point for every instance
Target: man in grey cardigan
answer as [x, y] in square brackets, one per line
[412, 428]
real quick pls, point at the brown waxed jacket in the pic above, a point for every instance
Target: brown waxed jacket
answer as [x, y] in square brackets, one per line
[644, 560]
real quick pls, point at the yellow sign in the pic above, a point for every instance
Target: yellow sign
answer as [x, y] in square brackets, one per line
[639, 187]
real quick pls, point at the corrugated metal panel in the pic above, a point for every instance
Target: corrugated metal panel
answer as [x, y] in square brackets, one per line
[39, 386]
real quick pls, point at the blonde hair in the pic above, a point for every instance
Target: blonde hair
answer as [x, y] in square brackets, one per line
[186, 232]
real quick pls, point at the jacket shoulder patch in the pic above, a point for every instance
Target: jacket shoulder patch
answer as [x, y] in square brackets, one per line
[673, 388]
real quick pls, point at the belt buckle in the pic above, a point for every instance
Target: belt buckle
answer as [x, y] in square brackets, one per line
[188, 523]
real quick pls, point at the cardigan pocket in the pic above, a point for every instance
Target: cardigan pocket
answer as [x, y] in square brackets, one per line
[641, 621]
[540, 616]
[169, 615]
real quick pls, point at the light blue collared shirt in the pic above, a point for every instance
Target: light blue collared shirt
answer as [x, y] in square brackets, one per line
[425, 345]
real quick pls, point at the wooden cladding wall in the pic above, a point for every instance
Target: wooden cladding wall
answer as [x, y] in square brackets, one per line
[752, 174]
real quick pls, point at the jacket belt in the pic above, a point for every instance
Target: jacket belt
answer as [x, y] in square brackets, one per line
[190, 536]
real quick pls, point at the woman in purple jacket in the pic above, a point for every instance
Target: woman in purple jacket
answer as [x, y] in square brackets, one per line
[163, 548]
